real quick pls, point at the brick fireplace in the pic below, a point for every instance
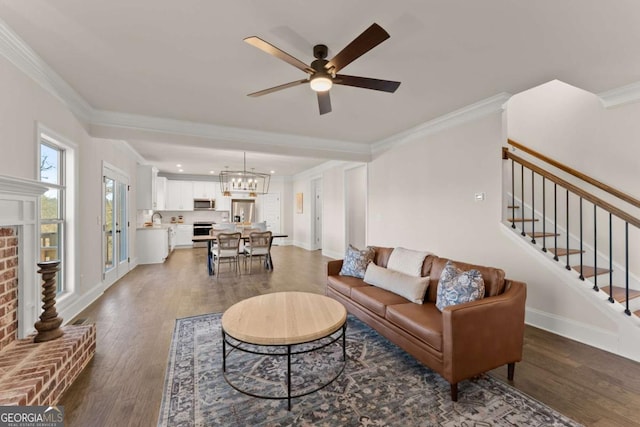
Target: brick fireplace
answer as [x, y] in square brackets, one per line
[30, 373]
[8, 286]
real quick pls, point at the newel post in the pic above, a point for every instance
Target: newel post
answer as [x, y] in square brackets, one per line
[48, 326]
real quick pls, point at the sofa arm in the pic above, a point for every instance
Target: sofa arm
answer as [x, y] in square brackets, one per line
[334, 267]
[481, 335]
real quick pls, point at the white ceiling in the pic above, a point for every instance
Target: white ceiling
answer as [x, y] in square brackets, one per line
[185, 60]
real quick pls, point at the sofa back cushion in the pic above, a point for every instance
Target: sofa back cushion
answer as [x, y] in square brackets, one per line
[382, 258]
[493, 277]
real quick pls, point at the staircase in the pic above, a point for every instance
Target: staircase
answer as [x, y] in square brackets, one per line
[576, 219]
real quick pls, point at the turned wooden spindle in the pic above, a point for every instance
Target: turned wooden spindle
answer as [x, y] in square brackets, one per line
[48, 326]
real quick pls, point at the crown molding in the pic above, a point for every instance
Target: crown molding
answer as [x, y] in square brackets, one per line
[455, 118]
[26, 60]
[317, 171]
[620, 96]
[225, 133]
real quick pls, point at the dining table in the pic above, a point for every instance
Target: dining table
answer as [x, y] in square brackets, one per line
[211, 239]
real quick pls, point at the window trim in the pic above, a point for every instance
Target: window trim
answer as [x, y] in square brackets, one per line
[70, 180]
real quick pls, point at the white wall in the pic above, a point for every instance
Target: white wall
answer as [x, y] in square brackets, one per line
[24, 104]
[356, 205]
[421, 196]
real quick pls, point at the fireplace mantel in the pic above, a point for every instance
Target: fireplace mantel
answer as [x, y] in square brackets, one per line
[19, 204]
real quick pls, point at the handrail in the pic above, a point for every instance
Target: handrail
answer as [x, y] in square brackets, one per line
[506, 154]
[617, 193]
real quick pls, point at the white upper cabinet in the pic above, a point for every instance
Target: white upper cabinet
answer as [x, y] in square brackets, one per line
[146, 187]
[161, 193]
[179, 196]
[204, 189]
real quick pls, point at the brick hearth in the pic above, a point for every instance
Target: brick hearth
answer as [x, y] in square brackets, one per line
[34, 373]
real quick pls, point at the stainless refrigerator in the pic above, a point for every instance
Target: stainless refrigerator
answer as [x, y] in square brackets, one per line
[243, 210]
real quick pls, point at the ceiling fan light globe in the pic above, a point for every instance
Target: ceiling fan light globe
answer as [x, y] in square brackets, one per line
[320, 83]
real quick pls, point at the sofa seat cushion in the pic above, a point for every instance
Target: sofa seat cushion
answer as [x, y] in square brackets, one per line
[344, 284]
[422, 321]
[376, 299]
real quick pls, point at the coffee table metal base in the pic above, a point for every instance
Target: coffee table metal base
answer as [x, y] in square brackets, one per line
[235, 344]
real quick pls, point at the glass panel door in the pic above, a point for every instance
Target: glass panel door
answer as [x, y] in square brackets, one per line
[109, 223]
[115, 225]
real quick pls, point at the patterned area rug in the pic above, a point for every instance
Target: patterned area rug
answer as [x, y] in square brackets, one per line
[381, 386]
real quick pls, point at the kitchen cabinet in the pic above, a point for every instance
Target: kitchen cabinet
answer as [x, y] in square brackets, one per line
[152, 245]
[179, 195]
[204, 189]
[184, 234]
[146, 187]
[222, 203]
[161, 190]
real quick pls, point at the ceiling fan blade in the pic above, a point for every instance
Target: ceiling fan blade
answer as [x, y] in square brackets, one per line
[324, 102]
[277, 88]
[272, 50]
[366, 83]
[370, 38]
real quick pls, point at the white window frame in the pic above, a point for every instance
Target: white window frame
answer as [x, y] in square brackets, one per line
[69, 186]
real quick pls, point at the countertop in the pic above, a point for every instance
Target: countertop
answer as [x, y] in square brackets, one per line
[156, 227]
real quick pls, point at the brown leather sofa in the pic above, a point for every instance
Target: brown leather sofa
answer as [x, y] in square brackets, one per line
[460, 342]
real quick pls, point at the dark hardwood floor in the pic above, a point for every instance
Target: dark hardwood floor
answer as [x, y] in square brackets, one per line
[122, 386]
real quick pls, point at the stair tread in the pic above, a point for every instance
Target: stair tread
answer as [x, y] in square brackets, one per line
[564, 251]
[523, 219]
[637, 313]
[619, 293]
[541, 234]
[588, 271]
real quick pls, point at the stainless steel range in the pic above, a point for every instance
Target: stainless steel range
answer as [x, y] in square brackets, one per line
[202, 228]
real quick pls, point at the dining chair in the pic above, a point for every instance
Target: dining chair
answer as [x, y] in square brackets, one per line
[259, 246]
[228, 249]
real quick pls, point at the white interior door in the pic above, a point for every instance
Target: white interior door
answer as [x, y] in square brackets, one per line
[115, 224]
[317, 212]
[271, 211]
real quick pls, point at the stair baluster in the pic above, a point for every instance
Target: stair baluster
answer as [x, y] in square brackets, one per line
[544, 216]
[595, 246]
[611, 300]
[581, 251]
[568, 266]
[555, 221]
[513, 194]
[626, 267]
[533, 209]
[522, 196]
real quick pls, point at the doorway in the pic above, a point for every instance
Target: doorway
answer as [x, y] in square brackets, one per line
[316, 206]
[355, 202]
[115, 224]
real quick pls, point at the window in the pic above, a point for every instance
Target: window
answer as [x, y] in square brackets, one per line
[53, 204]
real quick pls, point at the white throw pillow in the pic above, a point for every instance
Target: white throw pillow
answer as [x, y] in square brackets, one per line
[407, 261]
[410, 287]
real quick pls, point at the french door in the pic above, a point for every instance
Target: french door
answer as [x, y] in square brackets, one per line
[115, 224]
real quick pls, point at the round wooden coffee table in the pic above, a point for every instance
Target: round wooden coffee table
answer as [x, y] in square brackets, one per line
[295, 321]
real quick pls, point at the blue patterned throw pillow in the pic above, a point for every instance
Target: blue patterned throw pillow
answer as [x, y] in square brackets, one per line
[356, 261]
[456, 286]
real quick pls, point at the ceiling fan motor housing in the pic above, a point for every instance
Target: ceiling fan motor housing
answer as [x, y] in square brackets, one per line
[320, 51]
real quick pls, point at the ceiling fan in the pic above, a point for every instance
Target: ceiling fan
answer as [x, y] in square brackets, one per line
[323, 74]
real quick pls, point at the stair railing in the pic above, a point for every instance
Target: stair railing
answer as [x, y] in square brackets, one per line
[570, 188]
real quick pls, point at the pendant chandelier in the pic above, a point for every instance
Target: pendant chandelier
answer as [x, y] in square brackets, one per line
[244, 182]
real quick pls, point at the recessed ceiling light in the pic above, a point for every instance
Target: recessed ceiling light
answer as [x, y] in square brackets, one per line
[273, 171]
[178, 165]
[180, 170]
[212, 171]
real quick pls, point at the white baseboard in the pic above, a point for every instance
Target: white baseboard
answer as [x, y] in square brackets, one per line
[79, 304]
[577, 331]
[333, 254]
[303, 245]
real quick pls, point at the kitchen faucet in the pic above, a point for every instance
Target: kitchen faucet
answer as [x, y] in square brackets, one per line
[156, 213]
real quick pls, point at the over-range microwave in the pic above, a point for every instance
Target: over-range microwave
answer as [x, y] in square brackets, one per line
[204, 204]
